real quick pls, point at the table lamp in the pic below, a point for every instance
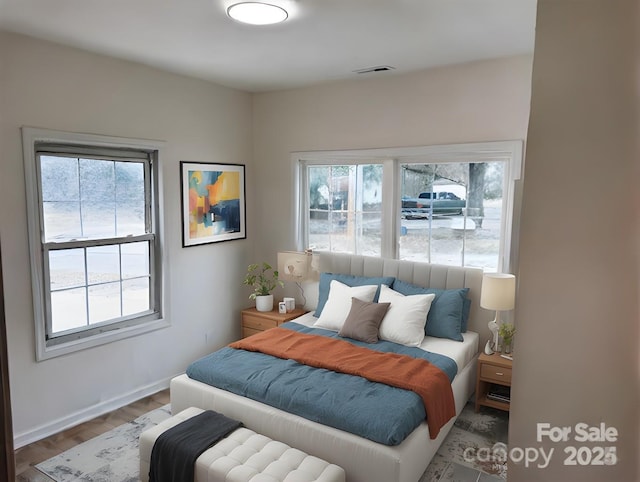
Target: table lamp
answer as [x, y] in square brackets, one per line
[296, 266]
[498, 293]
[293, 266]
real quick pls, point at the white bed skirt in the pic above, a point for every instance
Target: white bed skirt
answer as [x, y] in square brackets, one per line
[362, 459]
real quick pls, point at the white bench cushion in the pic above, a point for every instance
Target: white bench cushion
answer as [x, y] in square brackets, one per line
[244, 456]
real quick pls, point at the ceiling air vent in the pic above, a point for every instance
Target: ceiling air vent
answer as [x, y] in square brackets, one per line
[378, 68]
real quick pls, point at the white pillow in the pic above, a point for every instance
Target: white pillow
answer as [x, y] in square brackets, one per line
[405, 318]
[338, 304]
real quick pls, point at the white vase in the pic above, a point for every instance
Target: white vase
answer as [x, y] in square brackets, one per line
[264, 303]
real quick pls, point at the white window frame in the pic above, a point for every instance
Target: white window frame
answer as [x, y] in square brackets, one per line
[510, 152]
[149, 321]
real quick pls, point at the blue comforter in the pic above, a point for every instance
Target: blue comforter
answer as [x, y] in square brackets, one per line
[371, 410]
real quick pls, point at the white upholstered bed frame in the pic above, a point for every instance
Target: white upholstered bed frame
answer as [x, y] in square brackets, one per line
[362, 459]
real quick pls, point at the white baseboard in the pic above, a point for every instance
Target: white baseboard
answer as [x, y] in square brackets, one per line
[81, 416]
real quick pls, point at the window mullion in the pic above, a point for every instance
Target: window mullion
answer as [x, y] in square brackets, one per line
[87, 152]
[86, 286]
[115, 198]
[148, 194]
[154, 301]
[120, 279]
[80, 197]
[390, 219]
[48, 319]
[303, 205]
[83, 243]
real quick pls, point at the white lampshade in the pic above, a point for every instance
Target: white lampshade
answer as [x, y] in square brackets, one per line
[498, 291]
[293, 266]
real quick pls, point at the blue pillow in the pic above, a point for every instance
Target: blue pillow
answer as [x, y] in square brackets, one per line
[466, 309]
[447, 312]
[349, 280]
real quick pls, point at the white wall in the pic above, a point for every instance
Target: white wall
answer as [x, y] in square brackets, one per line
[577, 310]
[481, 101]
[54, 87]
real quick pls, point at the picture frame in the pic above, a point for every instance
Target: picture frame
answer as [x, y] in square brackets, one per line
[213, 202]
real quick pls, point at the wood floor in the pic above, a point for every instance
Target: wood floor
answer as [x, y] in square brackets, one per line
[30, 455]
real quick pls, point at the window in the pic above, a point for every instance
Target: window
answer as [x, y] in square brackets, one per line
[452, 213]
[94, 240]
[345, 204]
[450, 205]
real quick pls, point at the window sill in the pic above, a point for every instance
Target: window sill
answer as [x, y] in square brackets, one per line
[44, 352]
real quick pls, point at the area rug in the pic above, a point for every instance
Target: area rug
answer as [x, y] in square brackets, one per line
[110, 457]
[474, 449]
[113, 456]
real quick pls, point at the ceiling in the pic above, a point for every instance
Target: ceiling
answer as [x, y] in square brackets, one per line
[322, 40]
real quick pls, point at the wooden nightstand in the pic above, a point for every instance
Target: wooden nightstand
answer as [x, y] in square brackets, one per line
[254, 321]
[493, 370]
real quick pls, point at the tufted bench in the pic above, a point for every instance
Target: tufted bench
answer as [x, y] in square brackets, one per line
[244, 456]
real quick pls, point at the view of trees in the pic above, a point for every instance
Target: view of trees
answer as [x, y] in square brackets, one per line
[345, 211]
[84, 198]
[329, 185]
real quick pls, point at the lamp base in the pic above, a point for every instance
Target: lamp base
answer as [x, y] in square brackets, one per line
[487, 348]
[492, 344]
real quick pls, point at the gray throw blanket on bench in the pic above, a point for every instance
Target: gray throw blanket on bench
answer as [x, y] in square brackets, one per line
[175, 451]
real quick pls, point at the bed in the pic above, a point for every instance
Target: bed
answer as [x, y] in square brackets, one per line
[363, 459]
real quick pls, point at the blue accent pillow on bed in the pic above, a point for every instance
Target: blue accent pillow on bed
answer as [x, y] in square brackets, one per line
[466, 309]
[349, 280]
[446, 318]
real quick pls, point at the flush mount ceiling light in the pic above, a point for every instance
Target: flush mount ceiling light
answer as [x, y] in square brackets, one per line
[257, 13]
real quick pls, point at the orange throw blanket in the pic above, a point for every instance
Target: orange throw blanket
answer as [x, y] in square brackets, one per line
[401, 371]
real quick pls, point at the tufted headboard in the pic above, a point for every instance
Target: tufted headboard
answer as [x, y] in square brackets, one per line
[418, 273]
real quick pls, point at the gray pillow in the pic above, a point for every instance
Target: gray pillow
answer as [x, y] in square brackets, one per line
[364, 320]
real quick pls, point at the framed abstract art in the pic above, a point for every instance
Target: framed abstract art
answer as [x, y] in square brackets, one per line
[213, 202]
